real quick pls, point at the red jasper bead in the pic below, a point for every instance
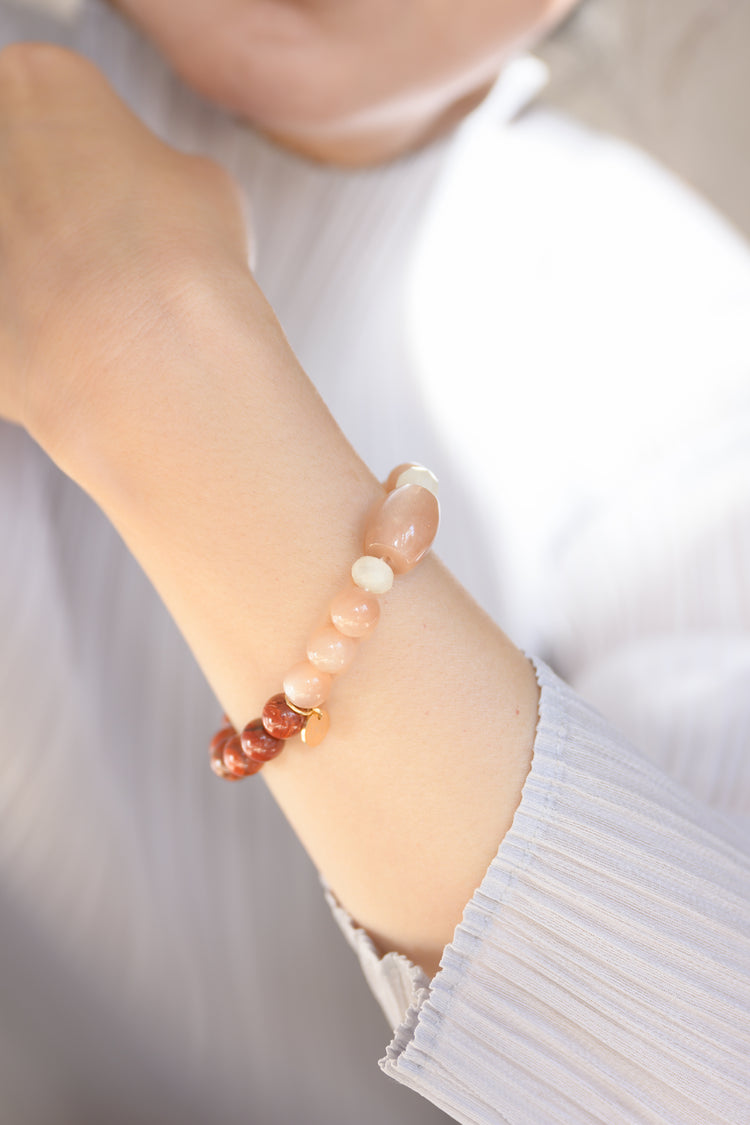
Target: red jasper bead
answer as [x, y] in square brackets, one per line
[221, 736]
[279, 719]
[258, 744]
[218, 743]
[236, 760]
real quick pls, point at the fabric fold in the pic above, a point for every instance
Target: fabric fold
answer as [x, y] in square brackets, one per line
[601, 971]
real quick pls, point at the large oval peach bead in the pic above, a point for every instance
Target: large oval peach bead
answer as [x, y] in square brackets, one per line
[307, 686]
[403, 527]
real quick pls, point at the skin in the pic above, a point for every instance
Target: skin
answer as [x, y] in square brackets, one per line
[347, 81]
[137, 349]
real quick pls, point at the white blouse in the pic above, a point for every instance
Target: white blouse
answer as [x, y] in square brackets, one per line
[523, 293]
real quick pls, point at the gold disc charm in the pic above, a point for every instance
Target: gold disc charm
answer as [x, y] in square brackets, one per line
[316, 727]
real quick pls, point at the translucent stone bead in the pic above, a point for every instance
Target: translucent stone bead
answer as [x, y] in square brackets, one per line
[372, 574]
[258, 744]
[403, 527]
[279, 719]
[307, 686]
[236, 760]
[410, 473]
[218, 767]
[330, 651]
[221, 736]
[394, 474]
[354, 612]
[217, 754]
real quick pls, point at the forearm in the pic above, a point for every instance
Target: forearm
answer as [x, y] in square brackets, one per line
[245, 505]
[138, 351]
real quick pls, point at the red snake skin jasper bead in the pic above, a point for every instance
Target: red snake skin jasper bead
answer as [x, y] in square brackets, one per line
[258, 744]
[236, 760]
[279, 719]
[218, 742]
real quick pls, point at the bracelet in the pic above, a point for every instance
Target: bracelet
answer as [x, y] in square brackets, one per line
[399, 534]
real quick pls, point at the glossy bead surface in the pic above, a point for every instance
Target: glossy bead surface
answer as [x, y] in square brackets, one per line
[330, 651]
[413, 474]
[258, 744]
[402, 528]
[372, 574]
[307, 686]
[221, 736]
[354, 612]
[217, 754]
[279, 719]
[236, 760]
[394, 474]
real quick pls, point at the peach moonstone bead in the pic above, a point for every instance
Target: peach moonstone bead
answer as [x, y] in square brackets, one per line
[329, 650]
[403, 527]
[307, 686]
[354, 612]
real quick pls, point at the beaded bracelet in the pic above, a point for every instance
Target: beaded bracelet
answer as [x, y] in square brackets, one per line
[399, 534]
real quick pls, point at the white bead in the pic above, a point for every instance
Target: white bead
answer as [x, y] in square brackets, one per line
[417, 474]
[372, 574]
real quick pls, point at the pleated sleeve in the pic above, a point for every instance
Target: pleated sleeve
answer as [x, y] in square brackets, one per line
[601, 972]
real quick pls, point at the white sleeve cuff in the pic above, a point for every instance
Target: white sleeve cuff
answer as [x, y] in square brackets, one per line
[601, 972]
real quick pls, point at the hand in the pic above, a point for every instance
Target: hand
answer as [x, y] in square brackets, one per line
[103, 231]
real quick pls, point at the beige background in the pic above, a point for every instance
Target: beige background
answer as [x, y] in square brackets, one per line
[672, 76]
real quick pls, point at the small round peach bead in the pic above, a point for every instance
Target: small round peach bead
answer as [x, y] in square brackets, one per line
[354, 612]
[330, 651]
[307, 686]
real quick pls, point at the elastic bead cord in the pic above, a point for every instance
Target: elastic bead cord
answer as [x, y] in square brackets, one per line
[399, 534]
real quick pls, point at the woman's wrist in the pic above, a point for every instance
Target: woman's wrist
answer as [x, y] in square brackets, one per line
[245, 505]
[229, 465]
[178, 365]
